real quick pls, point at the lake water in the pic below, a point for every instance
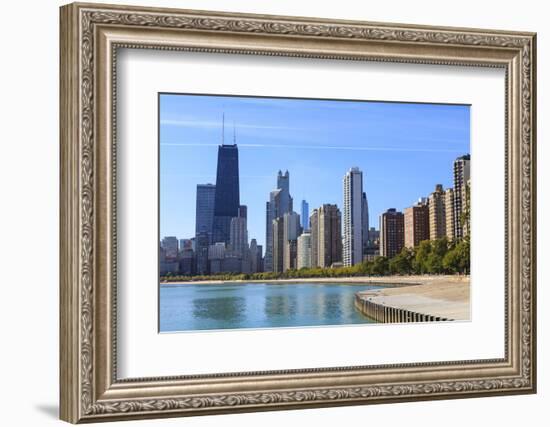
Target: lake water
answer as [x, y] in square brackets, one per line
[193, 307]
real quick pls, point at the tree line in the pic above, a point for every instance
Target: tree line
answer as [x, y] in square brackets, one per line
[430, 257]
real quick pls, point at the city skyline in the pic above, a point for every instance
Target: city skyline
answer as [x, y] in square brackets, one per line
[311, 178]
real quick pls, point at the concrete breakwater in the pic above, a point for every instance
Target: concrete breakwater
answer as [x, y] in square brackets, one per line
[385, 314]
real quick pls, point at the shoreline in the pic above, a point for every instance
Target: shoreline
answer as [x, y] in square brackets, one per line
[445, 299]
[386, 281]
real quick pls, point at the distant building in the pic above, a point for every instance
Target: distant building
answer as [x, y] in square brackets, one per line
[216, 251]
[461, 178]
[436, 205]
[326, 236]
[242, 212]
[292, 229]
[238, 236]
[449, 214]
[365, 222]
[278, 244]
[353, 217]
[374, 237]
[226, 203]
[304, 250]
[373, 246]
[187, 262]
[170, 246]
[314, 232]
[305, 215]
[417, 224]
[392, 233]
[280, 202]
[166, 266]
[185, 244]
[255, 257]
[204, 208]
[202, 242]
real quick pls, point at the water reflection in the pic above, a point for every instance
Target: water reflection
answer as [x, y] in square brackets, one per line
[234, 306]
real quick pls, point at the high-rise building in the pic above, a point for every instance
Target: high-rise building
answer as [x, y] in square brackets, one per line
[449, 214]
[170, 246]
[417, 224]
[436, 206]
[305, 215]
[202, 242]
[365, 223]
[185, 244]
[304, 250]
[392, 233]
[314, 231]
[226, 203]
[280, 202]
[283, 183]
[242, 212]
[272, 211]
[255, 257]
[238, 236]
[461, 178]
[186, 262]
[326, 236]
[353, 217]
[278, 244]
[216, 256]
[292, 229]
[204, 209]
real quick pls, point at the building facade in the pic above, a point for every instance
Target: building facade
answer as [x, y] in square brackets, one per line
[226, 201]
[238, 236]
[278, 244]
[417, 224]
[353, 217]
[292, 229]
[255, 257]
[204, 208]
[392, 233]
[436, 203]
[280, 202]
[304, 217]
[365, 227]
[461, 172]
[449, 214]
[326, 236]
[202, 242]
[304, 250]
[170, 246]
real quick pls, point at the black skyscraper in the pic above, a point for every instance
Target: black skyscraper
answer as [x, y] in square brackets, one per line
[226, 203]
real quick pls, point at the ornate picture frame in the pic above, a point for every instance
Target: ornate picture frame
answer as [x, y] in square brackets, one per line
[90, 37]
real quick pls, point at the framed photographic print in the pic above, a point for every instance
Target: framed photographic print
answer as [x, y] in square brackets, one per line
[265, 212]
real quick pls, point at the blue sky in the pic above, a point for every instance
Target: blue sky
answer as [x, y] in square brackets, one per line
[403, 149]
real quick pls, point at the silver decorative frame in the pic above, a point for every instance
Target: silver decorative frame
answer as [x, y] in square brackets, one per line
[90, 36]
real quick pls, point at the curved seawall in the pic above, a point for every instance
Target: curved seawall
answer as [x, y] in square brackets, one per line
[428, 299]
[386, 314]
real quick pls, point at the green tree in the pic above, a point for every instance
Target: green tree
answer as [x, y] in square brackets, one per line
[380, 266]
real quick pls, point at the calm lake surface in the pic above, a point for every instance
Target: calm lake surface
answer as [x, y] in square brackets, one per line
[193, 307]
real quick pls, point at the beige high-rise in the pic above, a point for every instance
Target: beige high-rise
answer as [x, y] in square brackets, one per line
[449, 214]
[436, 205]
[326, 236]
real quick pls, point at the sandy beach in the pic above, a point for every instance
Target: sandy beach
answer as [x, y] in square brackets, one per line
[442, 296]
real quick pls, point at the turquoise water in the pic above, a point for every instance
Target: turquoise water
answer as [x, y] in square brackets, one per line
[192, 307]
